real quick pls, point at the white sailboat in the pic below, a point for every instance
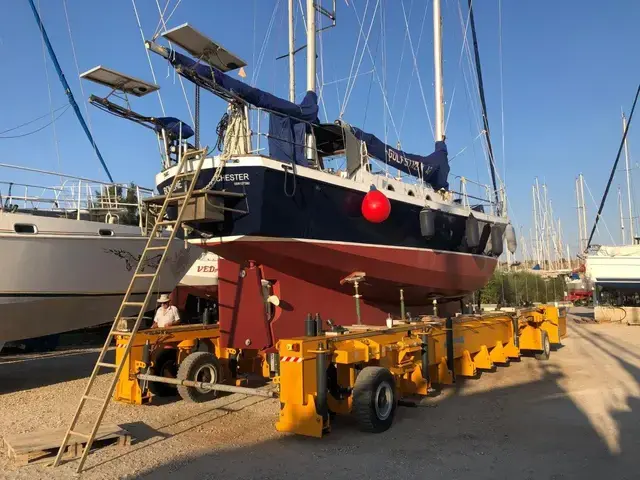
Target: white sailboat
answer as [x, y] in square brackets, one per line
[67, 254]
[64, 268]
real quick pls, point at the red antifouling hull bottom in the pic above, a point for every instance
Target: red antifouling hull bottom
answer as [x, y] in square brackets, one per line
[305, 276]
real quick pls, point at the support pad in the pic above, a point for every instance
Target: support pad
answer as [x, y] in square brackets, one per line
[244, 316]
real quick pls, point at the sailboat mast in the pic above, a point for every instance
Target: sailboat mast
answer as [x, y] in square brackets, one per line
[437, 69]
[536, 226]
[613, 169]
[579, 212]
[311, 46]
[292, 62]
[628, 172]
[311, 71]
[584, 213]
[621, 216]
[67, 88]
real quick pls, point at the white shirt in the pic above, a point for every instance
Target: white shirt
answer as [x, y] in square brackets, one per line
[166, 317]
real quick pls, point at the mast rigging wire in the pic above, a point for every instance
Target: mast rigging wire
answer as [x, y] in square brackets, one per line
[34, 120]
[351, 85]
[593, 200]
[465, 31]
[404, 46]
[67, 88]
[384, 97]
[415, 63]
[500, 57]
[261, 55]
[184, 91]
[146, 50]
[75, 61]
[615, 166]
[413, 71]
[52, 122]
[483, 102]
[56, 143]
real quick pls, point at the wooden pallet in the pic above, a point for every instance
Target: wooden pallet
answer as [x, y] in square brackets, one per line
[39, 446]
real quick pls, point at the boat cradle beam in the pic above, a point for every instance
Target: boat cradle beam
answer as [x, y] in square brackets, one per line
[412, 358]
[334, 371]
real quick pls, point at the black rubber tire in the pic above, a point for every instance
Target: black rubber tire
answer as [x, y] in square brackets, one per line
[201, 367]
[546, 347]
[374, 399]
[165, 365]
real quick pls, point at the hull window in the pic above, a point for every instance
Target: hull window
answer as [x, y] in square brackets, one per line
[25, 228]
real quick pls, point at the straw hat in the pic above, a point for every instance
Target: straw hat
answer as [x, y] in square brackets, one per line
[164, 298]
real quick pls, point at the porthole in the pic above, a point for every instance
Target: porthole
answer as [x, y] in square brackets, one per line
[25, 228]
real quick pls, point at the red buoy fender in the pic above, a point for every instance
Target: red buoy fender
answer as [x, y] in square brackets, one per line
[376, 207]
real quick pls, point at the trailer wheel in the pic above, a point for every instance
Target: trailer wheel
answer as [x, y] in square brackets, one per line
[164, 366]
[374, 399]
[199, 367]
[546, 347]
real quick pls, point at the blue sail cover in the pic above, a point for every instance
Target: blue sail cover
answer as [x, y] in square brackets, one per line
[433, 169]
[173, 126]
[287, 121]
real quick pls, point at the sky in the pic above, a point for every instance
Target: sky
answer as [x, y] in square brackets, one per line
[568, 67]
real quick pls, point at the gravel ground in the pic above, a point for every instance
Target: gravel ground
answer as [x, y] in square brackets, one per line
[570, 417]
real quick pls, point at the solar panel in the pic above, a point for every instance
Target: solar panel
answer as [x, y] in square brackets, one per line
[202, 47]
[119, 81]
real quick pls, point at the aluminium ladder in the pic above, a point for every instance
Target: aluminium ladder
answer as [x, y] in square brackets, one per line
[172, 197]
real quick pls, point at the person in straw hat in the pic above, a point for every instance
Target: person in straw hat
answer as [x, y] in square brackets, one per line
[167, 314]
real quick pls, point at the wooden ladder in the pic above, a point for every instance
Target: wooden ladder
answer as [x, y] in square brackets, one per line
[152, 246]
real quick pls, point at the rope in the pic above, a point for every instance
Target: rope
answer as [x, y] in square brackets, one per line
[235, 135]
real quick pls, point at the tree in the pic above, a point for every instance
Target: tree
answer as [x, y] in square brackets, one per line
[120, 202]
[517, 288]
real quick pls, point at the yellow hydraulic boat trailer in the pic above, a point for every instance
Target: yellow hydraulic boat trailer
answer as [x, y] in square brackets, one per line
[362, 370]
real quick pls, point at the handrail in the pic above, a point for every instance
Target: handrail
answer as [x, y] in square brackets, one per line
[63, 175]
